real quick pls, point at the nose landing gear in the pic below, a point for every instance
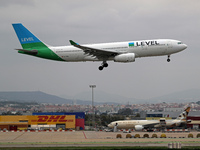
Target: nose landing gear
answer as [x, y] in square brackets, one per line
[168, 59]
[104, 64]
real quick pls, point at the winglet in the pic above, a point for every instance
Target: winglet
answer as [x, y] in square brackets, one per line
[73, 43]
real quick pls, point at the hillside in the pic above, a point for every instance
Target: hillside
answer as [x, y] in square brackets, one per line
[192, 95]
[35, 96]
[41, 97]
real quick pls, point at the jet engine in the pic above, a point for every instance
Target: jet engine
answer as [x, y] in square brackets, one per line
[179, 123]
[138, 127]
[128, 57]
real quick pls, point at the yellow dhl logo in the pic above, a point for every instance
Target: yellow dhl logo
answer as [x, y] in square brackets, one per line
[52, 119]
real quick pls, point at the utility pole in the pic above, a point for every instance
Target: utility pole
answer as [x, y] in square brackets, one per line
[93, 120]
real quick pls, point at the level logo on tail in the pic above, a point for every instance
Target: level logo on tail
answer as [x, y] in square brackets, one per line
[26, 38]
[32, 45]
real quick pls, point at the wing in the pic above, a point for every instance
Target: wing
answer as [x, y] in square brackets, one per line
[150, 125]
[98, 53]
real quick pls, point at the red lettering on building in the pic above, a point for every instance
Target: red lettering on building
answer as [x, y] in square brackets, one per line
[70, 120]
[42, 118]
[62, 119]
[53, 118]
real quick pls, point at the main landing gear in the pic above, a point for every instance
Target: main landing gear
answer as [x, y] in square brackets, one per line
[104, 64]
[168, 59]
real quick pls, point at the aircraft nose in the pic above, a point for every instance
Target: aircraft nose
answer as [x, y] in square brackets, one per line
[109, 125]
[184, 46]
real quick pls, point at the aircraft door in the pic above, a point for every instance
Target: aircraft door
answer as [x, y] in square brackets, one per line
[169, 44]
[144, 47]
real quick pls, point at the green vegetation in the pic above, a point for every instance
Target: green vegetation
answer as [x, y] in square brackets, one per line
[102, 120]
[190, 135]
[128, 136]
[125, 111]
[17, 105]
[137, 136]
[163, 135]
[154, 135]
[146, 136]
[119, 136]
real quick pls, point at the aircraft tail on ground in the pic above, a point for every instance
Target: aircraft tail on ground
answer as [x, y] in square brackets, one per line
[184, 114]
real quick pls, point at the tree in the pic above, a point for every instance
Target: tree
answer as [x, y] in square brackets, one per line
[137, 115]
[125, 111]
[18, 113]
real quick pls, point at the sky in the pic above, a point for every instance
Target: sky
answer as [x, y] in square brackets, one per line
[92, 21]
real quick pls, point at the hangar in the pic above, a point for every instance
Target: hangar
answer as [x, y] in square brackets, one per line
[49, 120]
[79, 117]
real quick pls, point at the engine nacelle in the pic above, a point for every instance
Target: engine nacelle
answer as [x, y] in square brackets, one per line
[128, 57]
[138, 127]
[180, 123]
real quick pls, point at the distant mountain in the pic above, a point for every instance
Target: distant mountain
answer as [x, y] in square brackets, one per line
[103, 97]
[192, 95]
[41, 97]
[35, 96]
[100, 97]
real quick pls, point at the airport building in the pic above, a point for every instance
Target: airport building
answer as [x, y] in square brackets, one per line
[79, 117]
[195, 122]
[54, 120]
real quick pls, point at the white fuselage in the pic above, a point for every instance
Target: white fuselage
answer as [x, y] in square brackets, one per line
[131, 124]
[145, 124]
[144, 48]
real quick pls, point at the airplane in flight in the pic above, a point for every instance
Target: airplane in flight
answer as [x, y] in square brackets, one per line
[139, 125]
[123, 52]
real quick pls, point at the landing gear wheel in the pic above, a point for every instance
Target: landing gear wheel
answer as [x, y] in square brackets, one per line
[105, 65]
[168, 59]
[100, 67]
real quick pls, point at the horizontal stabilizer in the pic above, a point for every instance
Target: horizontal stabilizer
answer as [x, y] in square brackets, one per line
[32, 52]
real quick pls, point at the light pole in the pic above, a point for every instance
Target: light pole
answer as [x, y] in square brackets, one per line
[93, 121]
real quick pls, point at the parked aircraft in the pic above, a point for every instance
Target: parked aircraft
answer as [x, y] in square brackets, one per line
[139, 125]
[123, 52]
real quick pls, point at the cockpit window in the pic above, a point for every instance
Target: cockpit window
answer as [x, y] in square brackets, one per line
[180, 43]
